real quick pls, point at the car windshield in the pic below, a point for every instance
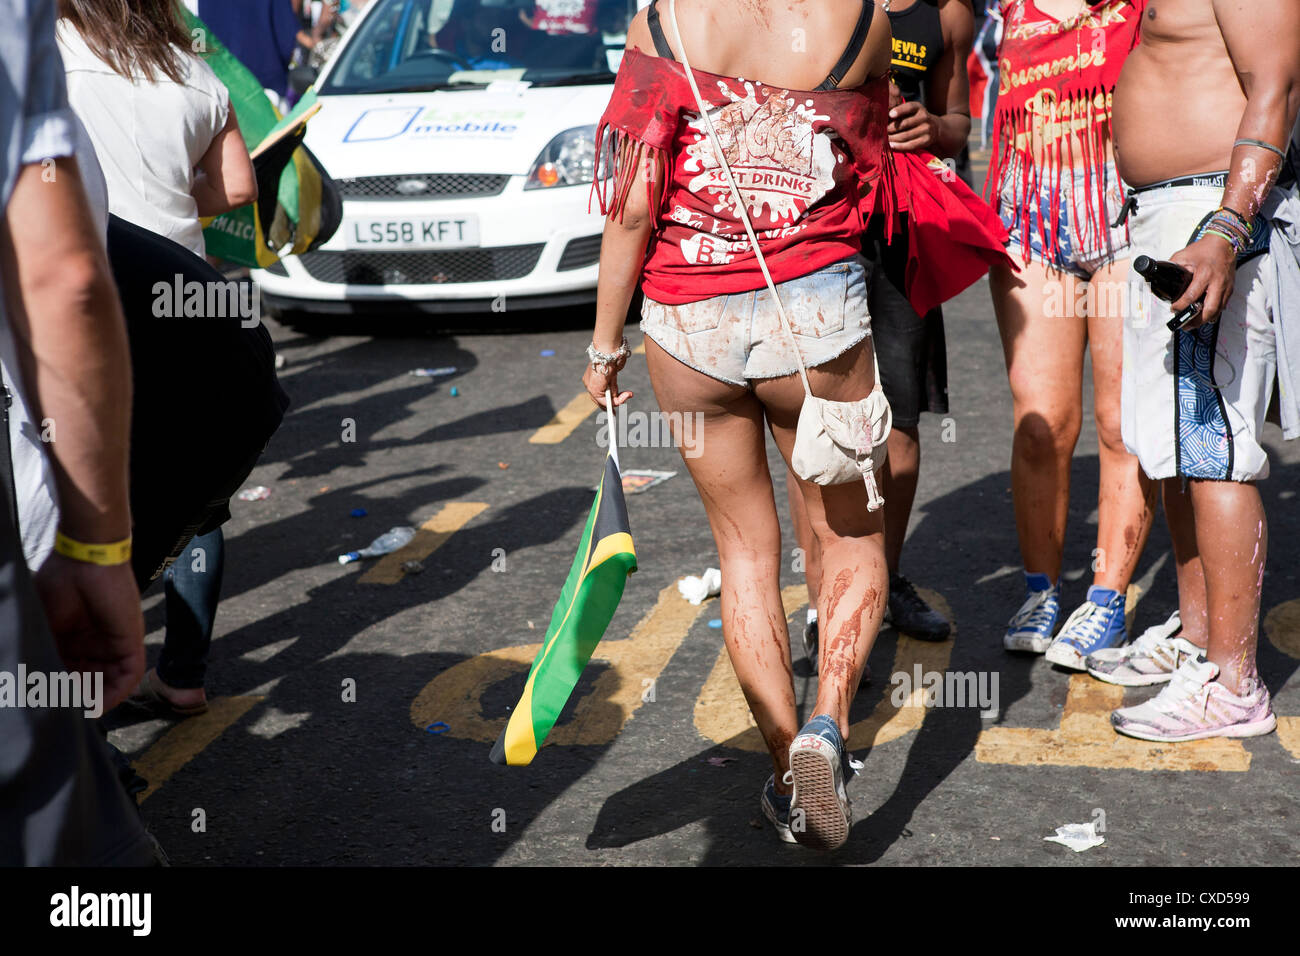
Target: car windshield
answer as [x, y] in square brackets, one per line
[415, 45]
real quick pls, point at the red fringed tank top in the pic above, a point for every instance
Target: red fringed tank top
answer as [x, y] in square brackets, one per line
[807, 165]
[1056, 80]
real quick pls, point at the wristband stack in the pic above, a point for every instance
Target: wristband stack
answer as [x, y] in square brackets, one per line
[1230, 226]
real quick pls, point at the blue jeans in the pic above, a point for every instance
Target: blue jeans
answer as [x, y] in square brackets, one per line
[191, 602]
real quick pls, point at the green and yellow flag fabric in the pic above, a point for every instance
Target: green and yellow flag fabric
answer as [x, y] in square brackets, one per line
[587, 603]
[288, 217]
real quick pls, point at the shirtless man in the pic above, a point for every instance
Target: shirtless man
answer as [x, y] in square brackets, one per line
[1203, 113]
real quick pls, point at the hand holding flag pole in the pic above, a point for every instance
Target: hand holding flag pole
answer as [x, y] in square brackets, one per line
[587, 602]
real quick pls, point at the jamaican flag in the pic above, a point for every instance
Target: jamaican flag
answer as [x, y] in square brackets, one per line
[587, 602]
[298, 206]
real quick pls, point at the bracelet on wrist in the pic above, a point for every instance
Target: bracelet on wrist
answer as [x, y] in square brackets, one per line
[605, 362]
[1232, 241]
[1224, 213]
[106, 555]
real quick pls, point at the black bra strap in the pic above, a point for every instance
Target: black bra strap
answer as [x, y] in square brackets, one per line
[852, 50]
[657, 32]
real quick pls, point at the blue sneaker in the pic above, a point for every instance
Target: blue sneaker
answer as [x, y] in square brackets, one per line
[820, 767]
[1030, 630]
[777, 810]
[1098, 623]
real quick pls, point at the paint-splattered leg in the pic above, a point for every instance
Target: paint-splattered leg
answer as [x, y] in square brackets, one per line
[729, 466]
[854, 581]
[1232, 536]
[1187, 560]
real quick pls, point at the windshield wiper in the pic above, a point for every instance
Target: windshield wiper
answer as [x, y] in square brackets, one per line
[417, 88]
[577, 79]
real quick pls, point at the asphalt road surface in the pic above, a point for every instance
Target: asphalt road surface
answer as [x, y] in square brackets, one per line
[353, 707]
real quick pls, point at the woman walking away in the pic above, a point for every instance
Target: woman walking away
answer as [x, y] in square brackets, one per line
[169, 142]
[1057, 194]
[801, 130]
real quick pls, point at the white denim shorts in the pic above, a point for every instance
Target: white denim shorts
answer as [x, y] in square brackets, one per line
[738, 338]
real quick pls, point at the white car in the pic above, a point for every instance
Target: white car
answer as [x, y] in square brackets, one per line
[461, 134]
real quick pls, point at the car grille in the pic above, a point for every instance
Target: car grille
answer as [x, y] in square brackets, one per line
[579, 253]
[422, 268]
[423, 186]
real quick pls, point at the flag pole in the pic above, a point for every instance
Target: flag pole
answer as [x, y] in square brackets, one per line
[612, 413]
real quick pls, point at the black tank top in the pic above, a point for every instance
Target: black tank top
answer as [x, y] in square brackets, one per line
[918, 45]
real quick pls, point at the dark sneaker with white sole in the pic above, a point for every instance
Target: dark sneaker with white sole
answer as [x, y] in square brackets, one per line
[777, 810]
[820, 769]
[909, 612]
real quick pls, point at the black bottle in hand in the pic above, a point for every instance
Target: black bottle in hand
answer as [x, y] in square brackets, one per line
[1168, 281]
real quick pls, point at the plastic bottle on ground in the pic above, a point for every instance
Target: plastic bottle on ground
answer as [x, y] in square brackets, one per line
[386, 543]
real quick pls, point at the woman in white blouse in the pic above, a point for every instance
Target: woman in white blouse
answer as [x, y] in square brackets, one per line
[171, 150]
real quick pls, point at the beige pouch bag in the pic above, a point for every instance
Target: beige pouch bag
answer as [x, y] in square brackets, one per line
[835, 442]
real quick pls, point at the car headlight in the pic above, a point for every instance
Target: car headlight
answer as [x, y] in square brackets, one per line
[568, 160]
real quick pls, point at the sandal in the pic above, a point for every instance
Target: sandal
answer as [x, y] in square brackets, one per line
[151, 697]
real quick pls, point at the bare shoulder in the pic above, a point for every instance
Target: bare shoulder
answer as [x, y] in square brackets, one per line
[877, 49]
[880, 49]
[638, 33]
[957, 18]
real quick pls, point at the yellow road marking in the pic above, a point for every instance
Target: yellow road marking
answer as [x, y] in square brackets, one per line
[570, 416]
[722, 715]
[1084, 738]
[187, 739]
[431, 536]
[1282, 625]
[1131, 599]
[1288, 734]
[455, 695]
[1087, 739]
[565, 421]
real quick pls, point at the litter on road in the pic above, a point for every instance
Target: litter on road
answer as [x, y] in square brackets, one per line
[1077, 836]
[699, 589]
[636, 481]
[386, 543]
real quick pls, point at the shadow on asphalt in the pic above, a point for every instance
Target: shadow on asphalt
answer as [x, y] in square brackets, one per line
[336, 796]
[960, 536]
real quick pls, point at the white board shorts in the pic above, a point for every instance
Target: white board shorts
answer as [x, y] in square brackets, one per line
[1193, 403]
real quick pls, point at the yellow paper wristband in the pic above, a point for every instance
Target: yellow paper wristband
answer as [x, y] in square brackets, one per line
[108, 555]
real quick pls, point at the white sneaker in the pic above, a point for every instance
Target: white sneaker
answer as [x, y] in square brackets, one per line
[1194, 705]
[1151, 659]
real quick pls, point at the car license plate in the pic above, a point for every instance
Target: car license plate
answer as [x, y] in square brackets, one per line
[421, 232]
